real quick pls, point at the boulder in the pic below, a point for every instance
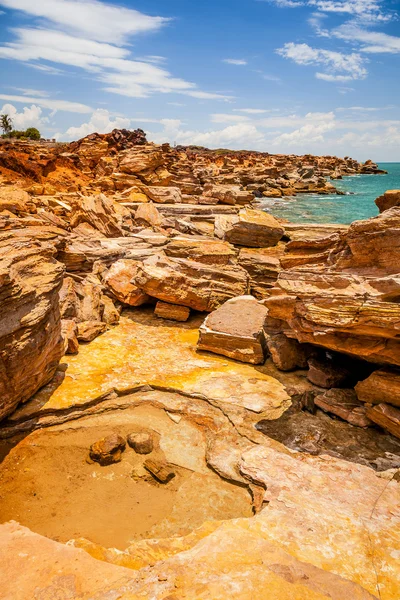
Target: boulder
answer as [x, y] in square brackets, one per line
[228, 194]
[15, 200]
[164, 195]
[141, 442]
[263, 266]
[141, 158]
[89, 330]
[251, 228]
[236, 330]
[119, 280]
[189, 283]
[147, 214]
[69, 332]
[287, 354]
[30, 324]
[204, 250]
[160, 470]
[108, 450]
[107, 216]
[389, 199]
[381, 386]
[174, 312]
[386, 416]
[110, 314]
[327, 373]
[343, 404]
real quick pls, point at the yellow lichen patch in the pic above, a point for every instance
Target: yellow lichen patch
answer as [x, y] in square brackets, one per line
[143, 350]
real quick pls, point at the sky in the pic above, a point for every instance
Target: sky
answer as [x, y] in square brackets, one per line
[281, 76]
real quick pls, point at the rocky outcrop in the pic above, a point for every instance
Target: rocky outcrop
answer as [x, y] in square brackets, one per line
[388, 200]
[119, 281]
[381, 386]
[251, 228]
[236, 329]
[108, 217]
[347, 302]
[189, 283]
[30, 326]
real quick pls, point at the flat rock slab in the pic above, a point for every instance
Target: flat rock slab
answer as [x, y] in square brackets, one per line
[144, 350]
[387, 417]
[165, 310]
[381, 386]
[236, 330]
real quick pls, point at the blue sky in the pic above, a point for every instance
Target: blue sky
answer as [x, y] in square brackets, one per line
[284, 76]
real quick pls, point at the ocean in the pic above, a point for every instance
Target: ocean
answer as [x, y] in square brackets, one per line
[358, 203]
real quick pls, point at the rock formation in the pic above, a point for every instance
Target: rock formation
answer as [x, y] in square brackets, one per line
[251, 364]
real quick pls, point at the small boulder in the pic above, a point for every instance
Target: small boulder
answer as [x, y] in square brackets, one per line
[287, 354]
[382, 385]
[160, 470]
[69, 331]
[174, 312]
[141, 442]
[251, 228]
[108, 450]
[389, 199]
[327, 374]
[89, 330]
[386, 416]
[236, 330]
[343, 404]
[147, 214]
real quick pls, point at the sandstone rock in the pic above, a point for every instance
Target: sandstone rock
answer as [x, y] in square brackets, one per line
[108, 450]
[164, 195]
[253, 229]
[14, 200]
[69, 331]
[343, 404]
[327, 373]
[68, 299]
[141, 158]
[189, 283]
[142, 442]
[348, 302]
[89, 330]
[119, 280]
[386, 416]
[228, 194]
[147, 214]
[174, 312]
[389, 199]
[235, 329]
[109, 217]
[286, 353]
[30, 327]
[381, 386]
[263, 266]
[160, 470]
[110, 314]
[204, 250]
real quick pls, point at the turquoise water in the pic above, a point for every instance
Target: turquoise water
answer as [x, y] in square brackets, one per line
[358, 203]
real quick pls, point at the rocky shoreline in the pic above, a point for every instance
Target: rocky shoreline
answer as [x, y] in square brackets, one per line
[143, 294]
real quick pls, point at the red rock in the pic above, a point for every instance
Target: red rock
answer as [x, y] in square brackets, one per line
[388, 200]
[119, 280]
[381, 386]
[343, 404]
[387, 417]
[108, 450]
[174, 312]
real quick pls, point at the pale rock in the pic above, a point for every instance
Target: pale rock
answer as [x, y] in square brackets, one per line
[236, 330]
[251, 228]
[119, 280]
[147, 214]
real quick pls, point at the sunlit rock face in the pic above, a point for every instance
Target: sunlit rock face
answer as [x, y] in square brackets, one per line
[348, 302]
[30, 326]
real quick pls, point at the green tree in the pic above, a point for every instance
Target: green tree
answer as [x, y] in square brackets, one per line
[6, 124]
[32, 133]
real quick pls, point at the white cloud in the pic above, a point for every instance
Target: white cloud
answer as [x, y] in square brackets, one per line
[90, 19]
[48, 103]
[227, 118]
[30, 92]
[362, 10]
[31, 116]
[100, 122]
[252, 111]
[374, 41]
[107, 62]
[351, 65]
[240, 135]
[316, 124]
[235, 61]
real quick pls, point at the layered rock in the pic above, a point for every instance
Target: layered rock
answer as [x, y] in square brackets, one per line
[348, 302]
[108, 217]
[189, 283]
[30, 326]
[251, 228]
[381, 386]
[388, 200]
[344, 404]
[236, 329]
